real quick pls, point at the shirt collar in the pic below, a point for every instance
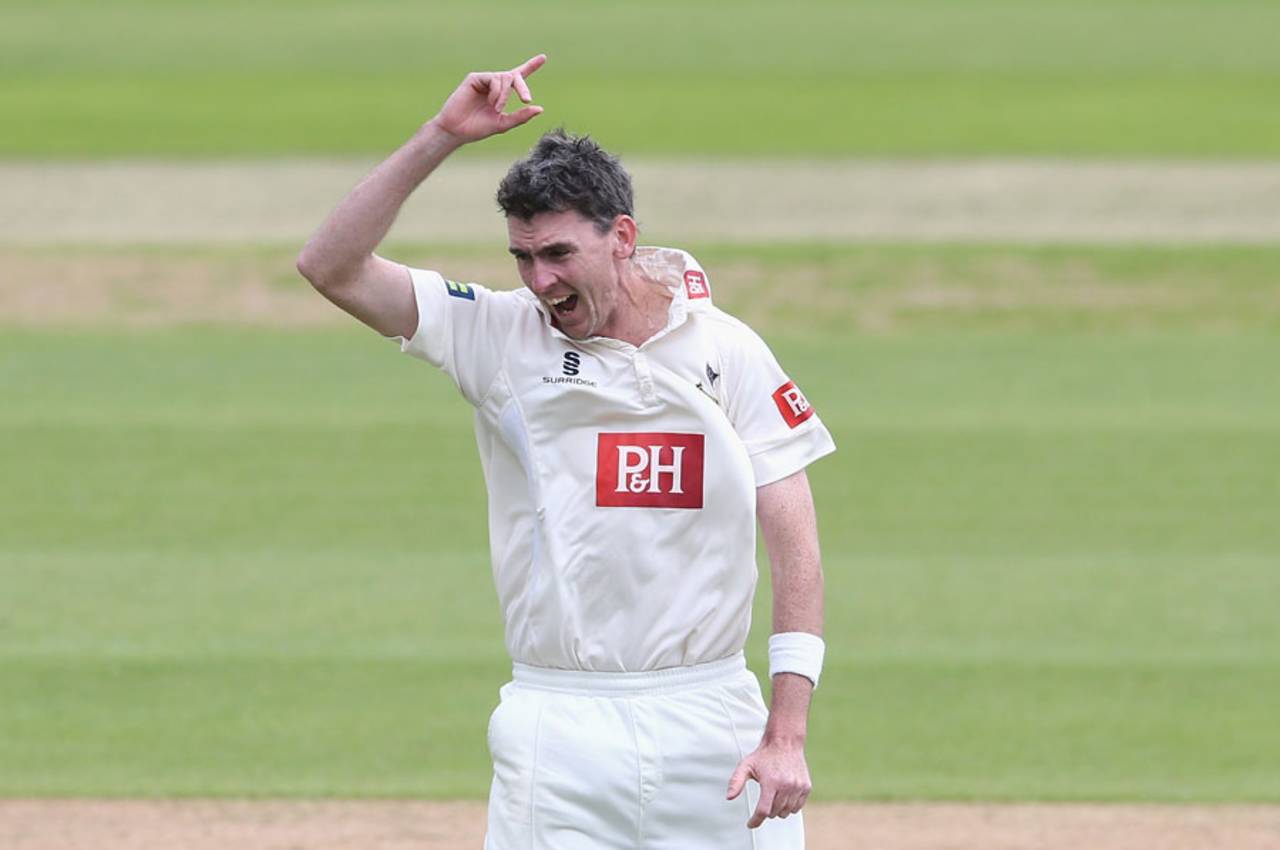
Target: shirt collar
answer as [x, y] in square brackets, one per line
[667, 266]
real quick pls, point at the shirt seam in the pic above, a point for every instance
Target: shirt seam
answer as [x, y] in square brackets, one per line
[502, 366]
[635, 742]
[533, 774]
[737, 742]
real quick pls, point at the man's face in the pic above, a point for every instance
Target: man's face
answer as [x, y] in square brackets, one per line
[570, 266]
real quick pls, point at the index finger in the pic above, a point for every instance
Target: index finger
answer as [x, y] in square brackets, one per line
[531, 65]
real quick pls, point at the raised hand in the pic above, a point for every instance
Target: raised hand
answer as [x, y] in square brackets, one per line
[475, 109]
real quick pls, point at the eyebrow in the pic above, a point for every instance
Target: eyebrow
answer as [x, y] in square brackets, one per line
[545, 249]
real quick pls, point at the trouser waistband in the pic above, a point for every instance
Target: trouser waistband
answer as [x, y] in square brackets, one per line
[668, 679]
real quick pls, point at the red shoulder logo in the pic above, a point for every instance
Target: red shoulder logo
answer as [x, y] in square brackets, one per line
[695, 284]
[792, 404]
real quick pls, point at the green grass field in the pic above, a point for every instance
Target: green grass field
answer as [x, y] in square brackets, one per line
[823, 77]
[239, 561]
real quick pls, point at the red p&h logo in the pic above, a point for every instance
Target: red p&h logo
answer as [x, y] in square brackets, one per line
[792, 404]
[649, 470]
[695, 284]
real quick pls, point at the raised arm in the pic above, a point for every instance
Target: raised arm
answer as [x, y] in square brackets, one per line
[339, 259]
[790, 529]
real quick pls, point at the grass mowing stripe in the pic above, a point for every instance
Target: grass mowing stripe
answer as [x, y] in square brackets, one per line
[1098, 607]
[246, 727]
[1017, 731]
[1102, 609]
[800, 290]
[980, 76]
[231, 114]
[927, 35]
[1074, 489]
[104, 727]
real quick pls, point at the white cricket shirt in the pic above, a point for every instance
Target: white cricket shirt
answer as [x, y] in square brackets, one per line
[622, 479]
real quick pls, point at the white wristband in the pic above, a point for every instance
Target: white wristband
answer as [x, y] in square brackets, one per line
[796, 652]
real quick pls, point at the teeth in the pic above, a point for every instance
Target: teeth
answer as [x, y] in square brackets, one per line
[558, 301]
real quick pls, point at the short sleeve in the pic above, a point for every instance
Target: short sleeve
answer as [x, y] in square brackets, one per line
[781, 431]
[462, 329]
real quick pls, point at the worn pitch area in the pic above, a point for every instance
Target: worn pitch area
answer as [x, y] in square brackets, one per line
[386, 825]
[677, 200]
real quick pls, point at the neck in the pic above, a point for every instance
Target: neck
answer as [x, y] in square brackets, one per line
[642, 308]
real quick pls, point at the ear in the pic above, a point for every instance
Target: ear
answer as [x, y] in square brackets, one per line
[625, 232]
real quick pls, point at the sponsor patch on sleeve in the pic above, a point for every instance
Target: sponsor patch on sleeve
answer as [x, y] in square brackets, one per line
[460, 290]
[695, 284]
[792, 404]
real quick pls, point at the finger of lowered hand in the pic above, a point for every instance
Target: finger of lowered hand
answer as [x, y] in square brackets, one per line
[784, 805]
[792, 806]
[797, 798]
[803, 797]
[738, 780]
[763, 807]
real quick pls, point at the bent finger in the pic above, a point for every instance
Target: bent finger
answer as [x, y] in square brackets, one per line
[495, 89]
[782, 806]
[522, 89]
[508, 85]
[521, 116]
[762, 808]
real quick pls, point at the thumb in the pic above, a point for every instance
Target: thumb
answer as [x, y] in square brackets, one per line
[739, 779]
[507, 120]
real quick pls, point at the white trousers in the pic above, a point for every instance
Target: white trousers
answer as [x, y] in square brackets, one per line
[628, 760]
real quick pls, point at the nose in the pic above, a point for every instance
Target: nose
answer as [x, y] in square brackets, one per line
[542, 278]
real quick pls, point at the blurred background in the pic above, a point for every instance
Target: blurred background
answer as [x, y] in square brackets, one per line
[1023, 257]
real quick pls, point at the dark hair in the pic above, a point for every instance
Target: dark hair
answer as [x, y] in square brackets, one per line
[567, 172]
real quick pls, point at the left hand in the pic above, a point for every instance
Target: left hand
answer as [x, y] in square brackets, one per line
[783, 776]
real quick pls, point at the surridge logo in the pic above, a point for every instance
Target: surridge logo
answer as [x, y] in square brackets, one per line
[649, 470]
[571, 366]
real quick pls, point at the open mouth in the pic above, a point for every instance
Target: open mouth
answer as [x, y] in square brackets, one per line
[564, 306]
